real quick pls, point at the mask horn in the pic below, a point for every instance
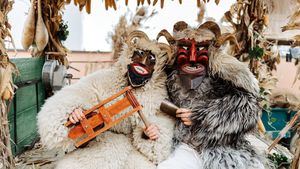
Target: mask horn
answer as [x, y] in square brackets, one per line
[180, 26]
[226, 37]
[137, 34]
[212, 26]
[167, 35]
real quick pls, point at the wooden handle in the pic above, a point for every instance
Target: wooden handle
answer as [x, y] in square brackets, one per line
[144, 119]
[135, 103]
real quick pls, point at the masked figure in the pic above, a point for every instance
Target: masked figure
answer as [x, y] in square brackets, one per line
[140, 65]
[222, 95]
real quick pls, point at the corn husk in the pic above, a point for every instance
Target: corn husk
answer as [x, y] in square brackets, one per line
[41, 33]
[29, 27]
[6, 82]
[6, 86]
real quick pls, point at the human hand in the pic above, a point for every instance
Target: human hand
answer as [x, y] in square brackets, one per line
[184, 114]
[76, 115]
[152, 132]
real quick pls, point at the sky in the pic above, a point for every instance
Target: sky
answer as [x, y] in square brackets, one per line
[89, 32]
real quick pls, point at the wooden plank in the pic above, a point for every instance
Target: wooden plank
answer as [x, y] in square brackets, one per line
[26, 98]
[288, 42]
[26, 123]
[29, 68]
[41, 95]
[29, 98]
[25, 143]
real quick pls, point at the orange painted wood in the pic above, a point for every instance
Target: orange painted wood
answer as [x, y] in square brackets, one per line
[96, 123]
[97, 120]
[69, 123]
[106, 127]
[105, 114]
[86, 126]
[119, 106]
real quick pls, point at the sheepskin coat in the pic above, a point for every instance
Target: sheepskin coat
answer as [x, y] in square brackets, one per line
[224, 109]
[122, 146]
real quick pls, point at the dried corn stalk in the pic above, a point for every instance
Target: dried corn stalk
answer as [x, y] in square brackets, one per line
[201, 6]
[81, 4]
[6, 86]
[294, 21]
[249, 19]
[113, 3]
[52, 16]
[123, 29]
[294, 24]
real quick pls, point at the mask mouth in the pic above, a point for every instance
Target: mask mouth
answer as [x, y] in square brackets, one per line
[138, 74]
[193, 69]
[140, 69]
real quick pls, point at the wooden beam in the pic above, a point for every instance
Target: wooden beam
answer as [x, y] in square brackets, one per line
[285, 42]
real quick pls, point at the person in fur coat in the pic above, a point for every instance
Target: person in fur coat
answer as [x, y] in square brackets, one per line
[140, 65]
[218, 100]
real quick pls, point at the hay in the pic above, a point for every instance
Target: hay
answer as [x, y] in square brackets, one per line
[6, 157]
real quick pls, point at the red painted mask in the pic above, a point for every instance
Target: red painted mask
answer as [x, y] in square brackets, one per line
[192, 56]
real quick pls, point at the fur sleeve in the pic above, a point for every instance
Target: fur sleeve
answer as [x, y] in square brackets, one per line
[55, 111]
[220, 121]
[157, 150]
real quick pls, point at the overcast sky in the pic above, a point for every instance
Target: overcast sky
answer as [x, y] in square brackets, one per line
[89, 32]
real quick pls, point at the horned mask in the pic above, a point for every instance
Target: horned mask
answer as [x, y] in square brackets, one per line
[146, 57]
[191, 49]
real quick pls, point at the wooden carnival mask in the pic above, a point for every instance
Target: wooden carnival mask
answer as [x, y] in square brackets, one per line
[143, 63]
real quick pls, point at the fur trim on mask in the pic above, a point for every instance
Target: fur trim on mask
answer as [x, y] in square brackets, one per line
[160, 55]
[229, 68]
[190, 33]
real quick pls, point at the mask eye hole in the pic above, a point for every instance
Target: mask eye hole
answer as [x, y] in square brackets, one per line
[185, 48]
[141, 52]
[152, 58]
[200, 48]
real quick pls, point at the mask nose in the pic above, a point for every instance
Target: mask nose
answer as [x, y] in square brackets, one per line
[144, 59]
[193, 54]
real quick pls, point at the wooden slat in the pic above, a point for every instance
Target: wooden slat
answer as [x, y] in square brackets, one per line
[118, 106]
[77, 131]
[97, 120]
[106, 127]
[26, 98]
[26, 123]
[29, 68]
[69, 123]
[22, 119]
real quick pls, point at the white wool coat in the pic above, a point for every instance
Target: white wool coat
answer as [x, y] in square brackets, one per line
[122, 146]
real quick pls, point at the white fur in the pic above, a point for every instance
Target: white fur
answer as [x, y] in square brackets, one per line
[109, 147]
